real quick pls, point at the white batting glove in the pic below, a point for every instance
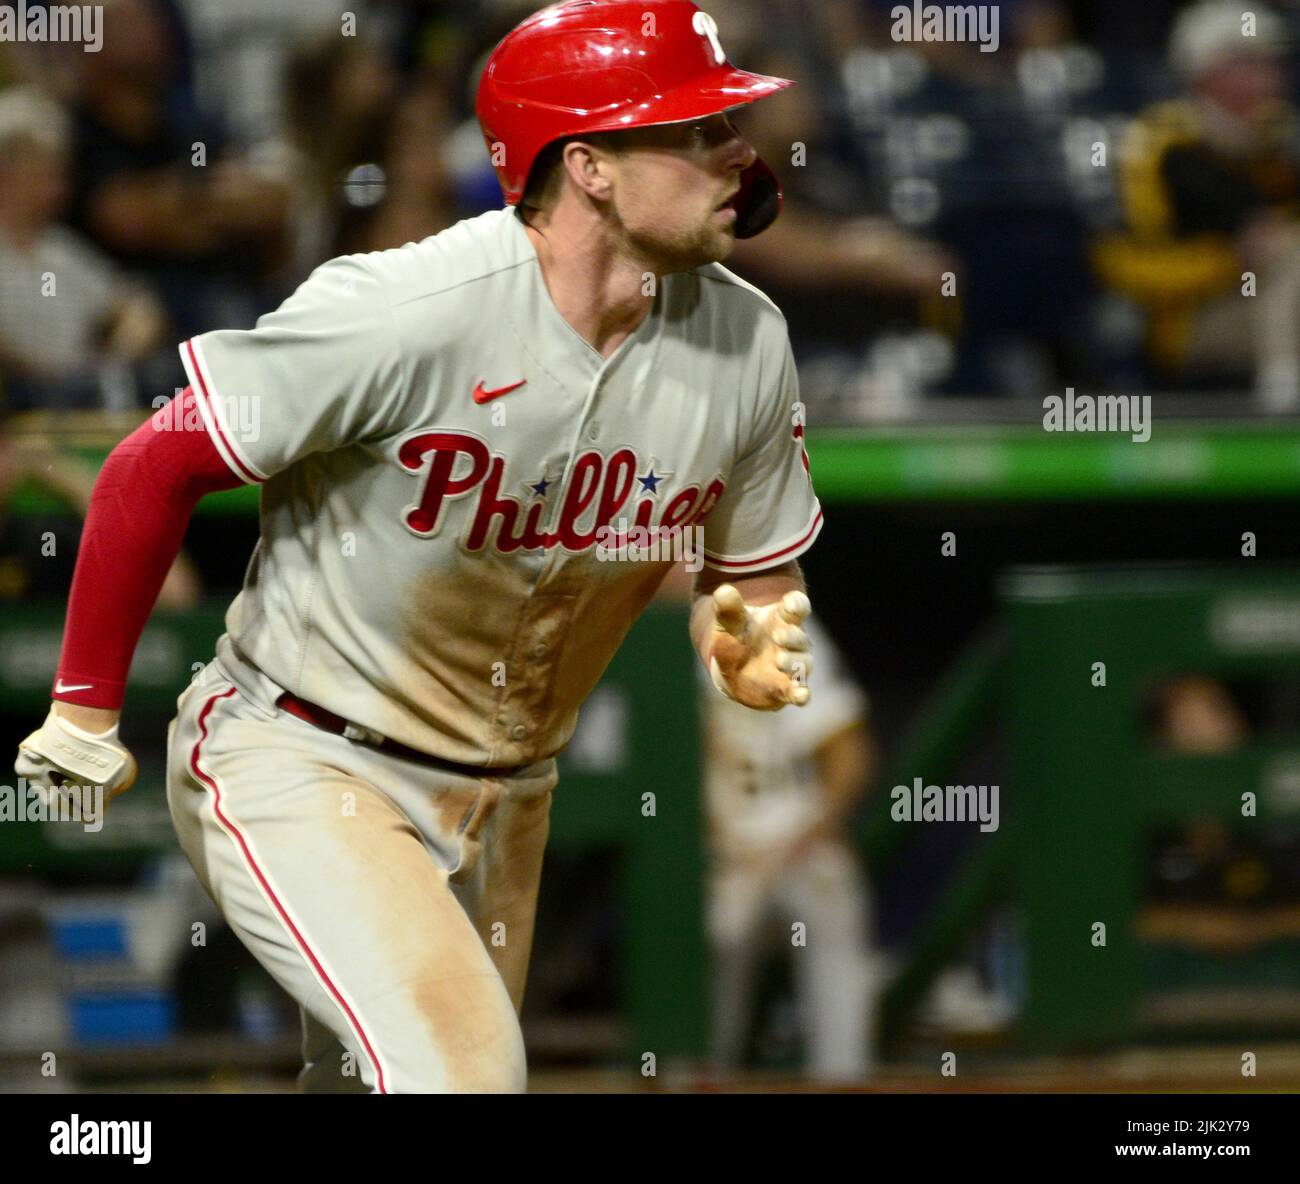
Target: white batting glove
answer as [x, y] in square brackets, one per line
[60, 753]
[760, 656]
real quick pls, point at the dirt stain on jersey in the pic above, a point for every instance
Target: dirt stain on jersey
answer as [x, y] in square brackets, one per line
[507, 658]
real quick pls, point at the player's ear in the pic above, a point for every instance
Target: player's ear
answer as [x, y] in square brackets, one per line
[591, 168]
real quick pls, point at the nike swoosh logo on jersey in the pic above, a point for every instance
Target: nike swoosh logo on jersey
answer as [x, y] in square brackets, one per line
[482, 395]
[60, 689]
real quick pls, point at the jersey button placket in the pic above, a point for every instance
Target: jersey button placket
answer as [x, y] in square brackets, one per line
[593, 428]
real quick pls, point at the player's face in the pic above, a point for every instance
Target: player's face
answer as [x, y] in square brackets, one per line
[673, 189]
[1249, 87]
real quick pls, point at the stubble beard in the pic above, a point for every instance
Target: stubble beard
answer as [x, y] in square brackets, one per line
[666, 251]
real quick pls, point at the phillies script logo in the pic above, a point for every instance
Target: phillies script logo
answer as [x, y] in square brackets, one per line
[460, 464]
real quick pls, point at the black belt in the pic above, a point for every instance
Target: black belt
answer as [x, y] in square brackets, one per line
[327, 721]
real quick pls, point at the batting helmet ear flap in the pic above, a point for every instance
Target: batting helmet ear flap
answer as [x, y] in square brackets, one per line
[758, 200]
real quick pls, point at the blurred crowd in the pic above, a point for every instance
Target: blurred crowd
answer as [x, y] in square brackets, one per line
[1111, 199]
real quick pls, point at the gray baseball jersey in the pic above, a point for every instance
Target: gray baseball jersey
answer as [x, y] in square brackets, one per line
[439, 452]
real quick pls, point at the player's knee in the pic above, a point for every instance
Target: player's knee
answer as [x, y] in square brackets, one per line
[471, 1041]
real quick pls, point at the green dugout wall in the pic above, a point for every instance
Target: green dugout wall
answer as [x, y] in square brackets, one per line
[1090, 782]
[1087, 783]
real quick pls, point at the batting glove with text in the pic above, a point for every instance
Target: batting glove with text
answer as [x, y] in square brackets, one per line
[60, 753]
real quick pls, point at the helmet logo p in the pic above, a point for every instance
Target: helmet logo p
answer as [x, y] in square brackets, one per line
[706, 26]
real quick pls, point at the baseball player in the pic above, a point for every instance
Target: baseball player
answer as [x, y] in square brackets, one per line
[778, 793]
[362, 775]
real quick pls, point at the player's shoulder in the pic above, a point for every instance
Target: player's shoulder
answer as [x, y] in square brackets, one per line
[716, 294]
[724, 285]
[472, 250]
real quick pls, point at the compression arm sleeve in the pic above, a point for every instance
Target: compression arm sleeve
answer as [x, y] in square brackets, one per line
[141, 505]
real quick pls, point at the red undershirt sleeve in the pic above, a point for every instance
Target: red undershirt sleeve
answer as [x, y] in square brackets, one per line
[140, 507]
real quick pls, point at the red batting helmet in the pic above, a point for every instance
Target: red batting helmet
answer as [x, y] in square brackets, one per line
[606, 65]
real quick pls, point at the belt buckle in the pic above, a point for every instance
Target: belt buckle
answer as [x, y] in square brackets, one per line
[362, 735]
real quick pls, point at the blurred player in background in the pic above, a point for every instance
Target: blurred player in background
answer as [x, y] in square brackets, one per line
[780, 790]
